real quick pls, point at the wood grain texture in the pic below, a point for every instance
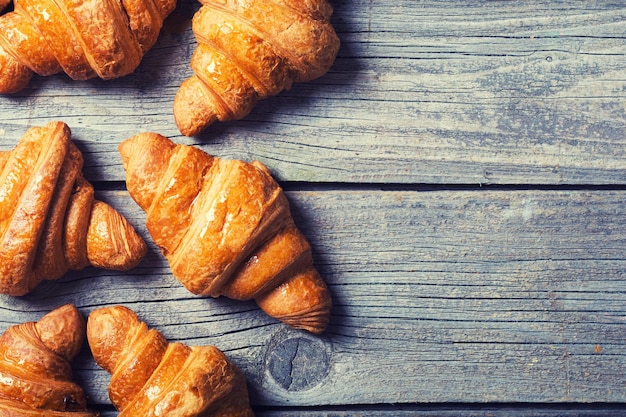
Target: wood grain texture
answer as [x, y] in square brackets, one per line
[444, 411]
[489, 93]
[449, 298]
[439, 297]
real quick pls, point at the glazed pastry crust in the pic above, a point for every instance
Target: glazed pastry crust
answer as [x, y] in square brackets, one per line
[249, 50]
[35, 366]
[84, 38]
[49, 220]
[152, 377]
[226, 229]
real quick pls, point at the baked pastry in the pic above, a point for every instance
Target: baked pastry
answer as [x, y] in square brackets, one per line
[249, 50]
[226, 229]
[49, 220]
[36, 374]
[152, 377]
[85, 39]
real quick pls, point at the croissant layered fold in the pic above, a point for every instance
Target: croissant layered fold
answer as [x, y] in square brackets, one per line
[49, 220]
[249, 50]
[83, 38]
[226, 229]
[35, 370]
[152, 377]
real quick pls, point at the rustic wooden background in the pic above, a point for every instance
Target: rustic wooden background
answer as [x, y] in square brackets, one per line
[461, 176]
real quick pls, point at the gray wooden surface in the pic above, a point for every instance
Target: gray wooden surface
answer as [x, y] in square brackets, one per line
[461, 175]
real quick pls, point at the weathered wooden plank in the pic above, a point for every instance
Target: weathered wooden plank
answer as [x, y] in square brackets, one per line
[442, 411]
[448, 296]
[498, 92]
[450, 411]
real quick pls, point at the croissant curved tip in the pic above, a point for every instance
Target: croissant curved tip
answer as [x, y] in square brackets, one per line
[62, 330]
[14, 76]
[15, 287]
[112, 243]
[314, 326]
[193, 113]
[302, 302]
[106, 330]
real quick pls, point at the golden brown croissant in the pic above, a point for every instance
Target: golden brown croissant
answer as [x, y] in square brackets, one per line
[249, 50]
[35, 370]
[226, 229]
[49, 220]
[152, 377]
[83, 38]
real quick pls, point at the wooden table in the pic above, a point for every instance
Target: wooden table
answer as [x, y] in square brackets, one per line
[461, 176]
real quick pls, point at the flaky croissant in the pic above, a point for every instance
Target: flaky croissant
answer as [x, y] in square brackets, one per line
[226, 229]
[152, 377]
[35, 370]
[83, 38]
[49, 220]
[249, 50]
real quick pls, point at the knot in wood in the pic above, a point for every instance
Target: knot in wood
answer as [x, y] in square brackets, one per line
[298, 363]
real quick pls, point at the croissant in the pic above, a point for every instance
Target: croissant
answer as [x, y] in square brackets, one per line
[83, 38]
[226, 229]
[152, 377]
[249, 50]
[35, 369]
[49, 220]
